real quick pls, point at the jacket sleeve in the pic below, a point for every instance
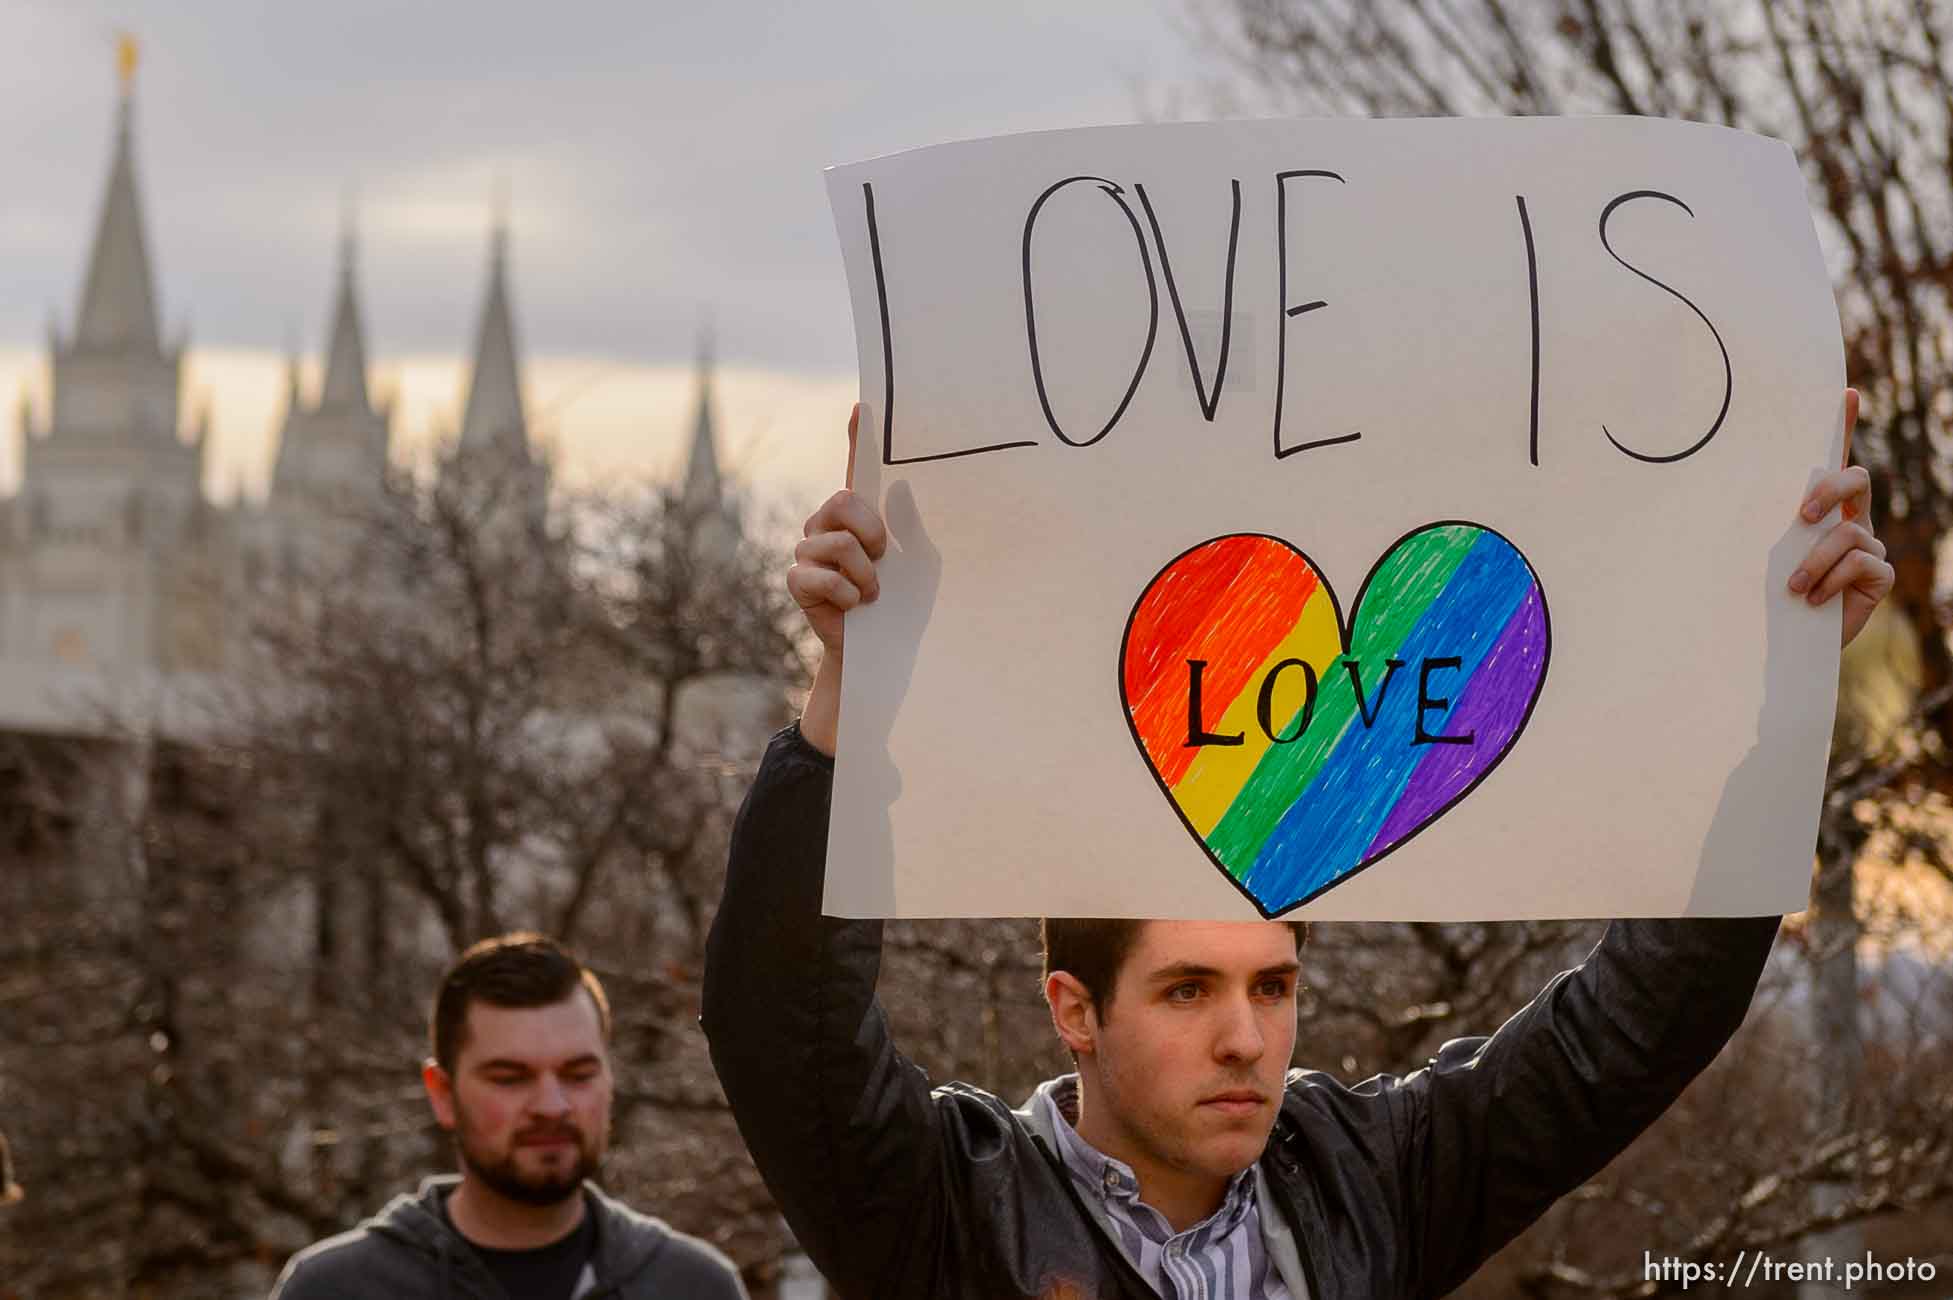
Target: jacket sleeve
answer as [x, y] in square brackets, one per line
[841, 1126]
[1496, 1129]
[290, 1286]
[696, 1269]
[314, 1275]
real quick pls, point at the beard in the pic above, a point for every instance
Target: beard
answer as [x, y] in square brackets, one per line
[504, 1174]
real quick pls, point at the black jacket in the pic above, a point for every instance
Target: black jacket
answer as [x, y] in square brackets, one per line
[1393, 1187]
[409, 1252]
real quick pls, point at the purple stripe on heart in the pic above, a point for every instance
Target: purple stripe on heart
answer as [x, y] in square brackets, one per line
[1493, 707]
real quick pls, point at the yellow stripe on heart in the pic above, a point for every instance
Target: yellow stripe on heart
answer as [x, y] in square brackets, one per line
[1218, 773]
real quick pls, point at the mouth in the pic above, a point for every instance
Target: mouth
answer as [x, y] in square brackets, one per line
[1235, 1101]
[547, 1140]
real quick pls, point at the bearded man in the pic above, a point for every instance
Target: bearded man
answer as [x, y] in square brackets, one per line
[520, 1076]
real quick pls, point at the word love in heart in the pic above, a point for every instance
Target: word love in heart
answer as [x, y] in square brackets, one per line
[1300, 748]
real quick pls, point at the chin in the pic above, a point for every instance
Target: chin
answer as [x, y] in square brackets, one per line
[1226, 1157]
[1238, 1145]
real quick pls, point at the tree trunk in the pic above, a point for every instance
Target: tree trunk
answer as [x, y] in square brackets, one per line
[322, 1061]
[1840, 1056]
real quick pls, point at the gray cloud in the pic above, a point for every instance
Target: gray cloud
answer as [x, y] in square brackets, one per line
[663, 157]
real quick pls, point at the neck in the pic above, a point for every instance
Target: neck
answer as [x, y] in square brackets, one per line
[1183, 1197]
[487, 1218]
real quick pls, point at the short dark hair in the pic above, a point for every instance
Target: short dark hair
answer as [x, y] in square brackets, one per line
[523, 969]
[1092, 949]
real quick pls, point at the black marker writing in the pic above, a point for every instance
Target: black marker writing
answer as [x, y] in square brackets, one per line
[888, 358]
[1532, 284]
[1728, 379]
[1369, 708]
[1425, 704]
[1265, 704]
[1208, 388]
[1197, 733]
[1117, 195]
[1208, 404]
[1369, 711]
[1281, 323]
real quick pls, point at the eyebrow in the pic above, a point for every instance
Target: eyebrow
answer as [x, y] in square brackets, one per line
[1181, 970]
[505, 1063]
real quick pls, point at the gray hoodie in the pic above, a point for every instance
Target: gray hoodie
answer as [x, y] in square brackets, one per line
[408, 1251]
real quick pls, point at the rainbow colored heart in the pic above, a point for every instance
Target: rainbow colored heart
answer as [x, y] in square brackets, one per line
[1299, 748]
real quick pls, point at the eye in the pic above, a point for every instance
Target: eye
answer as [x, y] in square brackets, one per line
[1275, 986]
[1187, 991]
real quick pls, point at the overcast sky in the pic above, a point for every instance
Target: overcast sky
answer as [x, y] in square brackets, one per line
[663, 161]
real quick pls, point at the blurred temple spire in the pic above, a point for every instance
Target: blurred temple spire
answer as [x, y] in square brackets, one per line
[493, 415]
[345, 373]
[118, 300]
[703, 488]
[713, 511]
[334, 451]
[127, 54]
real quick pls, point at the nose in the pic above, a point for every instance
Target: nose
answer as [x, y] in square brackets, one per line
[1238, 1038]
[550, 1099]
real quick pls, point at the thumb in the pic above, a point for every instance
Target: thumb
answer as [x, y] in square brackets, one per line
[1851, 422]
[854, 425]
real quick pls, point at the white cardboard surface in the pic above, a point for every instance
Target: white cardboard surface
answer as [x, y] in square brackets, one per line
[1673, 759]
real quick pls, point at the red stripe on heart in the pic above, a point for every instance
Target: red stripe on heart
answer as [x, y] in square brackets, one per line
[1262, 584]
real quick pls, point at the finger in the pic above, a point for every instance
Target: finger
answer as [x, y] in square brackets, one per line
[1850, 487]
[1851, 420]
[846, 511]
[854, 424]
[810, 585]
[1859, 569]
[1840, 541]
[843, 551]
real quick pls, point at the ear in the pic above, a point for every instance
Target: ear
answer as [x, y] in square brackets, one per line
[440, 1091]
[1072, 1012]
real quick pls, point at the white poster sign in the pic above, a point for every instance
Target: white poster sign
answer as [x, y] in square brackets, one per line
[1337, 519]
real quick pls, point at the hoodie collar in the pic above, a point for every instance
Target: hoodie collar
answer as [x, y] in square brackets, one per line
[626, 1240]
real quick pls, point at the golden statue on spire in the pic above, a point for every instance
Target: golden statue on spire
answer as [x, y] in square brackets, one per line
[125, 61]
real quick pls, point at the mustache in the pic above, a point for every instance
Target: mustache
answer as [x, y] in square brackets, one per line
[1246, 1083]
[549, 1133]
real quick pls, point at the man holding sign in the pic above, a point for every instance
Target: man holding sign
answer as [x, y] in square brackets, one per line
[1184, 1158]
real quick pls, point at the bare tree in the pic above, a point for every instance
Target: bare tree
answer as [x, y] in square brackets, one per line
[213, 987]
[129, 1043]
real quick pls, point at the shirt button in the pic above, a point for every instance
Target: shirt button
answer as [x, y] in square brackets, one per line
[1176, 1248]
[1111, 1180]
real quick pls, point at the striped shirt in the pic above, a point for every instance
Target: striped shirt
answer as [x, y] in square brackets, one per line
[1223, 1257]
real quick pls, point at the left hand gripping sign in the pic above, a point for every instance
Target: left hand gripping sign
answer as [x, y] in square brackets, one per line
[1409, 503]
[1314, 766]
